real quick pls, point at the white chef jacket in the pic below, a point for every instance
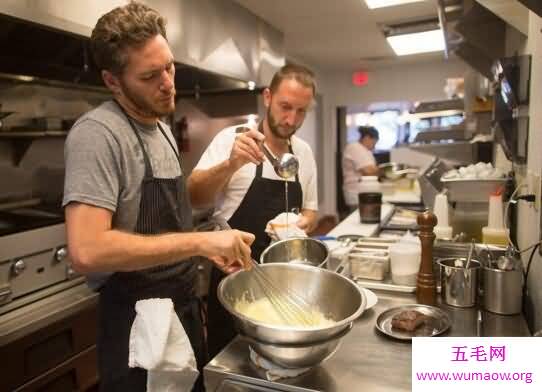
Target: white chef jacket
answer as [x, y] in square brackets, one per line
[355, 157]
[229, 199]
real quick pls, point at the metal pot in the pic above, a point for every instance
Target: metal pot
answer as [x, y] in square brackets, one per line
[299, 250]
[336, 296]
[502, 290]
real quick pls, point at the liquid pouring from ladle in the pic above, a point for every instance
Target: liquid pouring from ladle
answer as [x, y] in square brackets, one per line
[286, 166]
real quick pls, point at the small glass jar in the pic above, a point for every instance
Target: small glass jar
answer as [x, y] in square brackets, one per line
[370, 205]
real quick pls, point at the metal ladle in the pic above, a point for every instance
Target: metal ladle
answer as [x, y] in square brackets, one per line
[286, 166]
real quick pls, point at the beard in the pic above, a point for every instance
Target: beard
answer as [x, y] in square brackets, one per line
[279, 131]
[146, 106]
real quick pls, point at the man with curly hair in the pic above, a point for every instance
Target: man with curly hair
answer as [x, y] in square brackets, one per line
[128, 214]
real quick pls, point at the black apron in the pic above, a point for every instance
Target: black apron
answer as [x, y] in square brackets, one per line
[263, 201]
[164, 207]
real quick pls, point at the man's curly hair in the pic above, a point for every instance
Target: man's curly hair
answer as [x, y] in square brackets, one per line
[126, 26]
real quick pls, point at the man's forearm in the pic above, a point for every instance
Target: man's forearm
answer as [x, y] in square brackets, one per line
[204, 185]
[115, 250]
[370, 170]
[310, 219]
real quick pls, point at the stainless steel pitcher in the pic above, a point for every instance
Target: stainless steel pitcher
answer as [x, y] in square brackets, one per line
[459, 285]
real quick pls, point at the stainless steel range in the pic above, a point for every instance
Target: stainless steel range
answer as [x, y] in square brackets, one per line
[32, 258]
[47, 313]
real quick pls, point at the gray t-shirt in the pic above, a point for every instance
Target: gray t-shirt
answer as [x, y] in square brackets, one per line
[105, 165]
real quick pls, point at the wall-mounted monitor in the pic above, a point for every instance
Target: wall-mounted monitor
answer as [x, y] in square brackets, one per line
[511, 78]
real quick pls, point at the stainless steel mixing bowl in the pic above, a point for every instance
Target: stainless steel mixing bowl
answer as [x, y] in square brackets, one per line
[335, 296]
[298, 250]
[298, 355]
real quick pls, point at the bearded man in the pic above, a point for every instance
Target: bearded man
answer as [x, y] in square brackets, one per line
[246, 192]
[128, 213]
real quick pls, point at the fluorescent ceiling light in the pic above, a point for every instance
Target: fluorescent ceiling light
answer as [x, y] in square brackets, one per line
[422, 42]
[372, 4]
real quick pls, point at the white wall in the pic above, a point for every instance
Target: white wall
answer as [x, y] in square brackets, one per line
[314, 131]
[412, 82]
[308, 131]
[528, 223]
[528, 218]
[311, 131]
[407, 82]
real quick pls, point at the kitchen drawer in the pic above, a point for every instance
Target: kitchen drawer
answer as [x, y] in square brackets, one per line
[35, 354]
[79, 373]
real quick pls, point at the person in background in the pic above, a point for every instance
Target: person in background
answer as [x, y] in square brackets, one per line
[358, 160]
[128, 214]
[245, 190]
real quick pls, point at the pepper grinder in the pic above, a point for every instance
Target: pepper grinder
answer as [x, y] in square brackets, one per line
[426, 288]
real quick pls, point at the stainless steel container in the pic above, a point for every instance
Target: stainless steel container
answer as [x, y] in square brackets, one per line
[299, 250]
[297, 355]
[502, 290]
[337, 297]
[458, 285]
[472, 190]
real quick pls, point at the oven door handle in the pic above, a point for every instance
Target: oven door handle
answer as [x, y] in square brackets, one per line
[5, 293]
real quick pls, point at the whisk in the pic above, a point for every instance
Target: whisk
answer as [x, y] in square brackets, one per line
[291, 307]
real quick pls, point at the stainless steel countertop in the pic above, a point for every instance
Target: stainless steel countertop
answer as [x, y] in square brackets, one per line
[365, 361]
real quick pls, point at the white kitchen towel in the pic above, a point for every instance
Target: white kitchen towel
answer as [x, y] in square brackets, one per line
[159, 344]
[274, 372]
[284, 226]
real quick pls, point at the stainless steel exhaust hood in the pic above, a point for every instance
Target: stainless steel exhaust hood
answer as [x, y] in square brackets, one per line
[533, 5]
[512, 12]
[41, 55]
[218, 46]
[473, 33]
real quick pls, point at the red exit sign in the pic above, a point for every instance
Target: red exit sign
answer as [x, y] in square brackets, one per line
[360, 78]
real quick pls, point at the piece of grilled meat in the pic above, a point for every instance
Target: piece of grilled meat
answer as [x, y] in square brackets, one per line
[408, 320]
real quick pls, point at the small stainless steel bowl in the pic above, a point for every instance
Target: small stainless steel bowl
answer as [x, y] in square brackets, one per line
[297, 250]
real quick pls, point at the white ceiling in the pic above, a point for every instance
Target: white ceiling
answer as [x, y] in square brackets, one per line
[340, 35]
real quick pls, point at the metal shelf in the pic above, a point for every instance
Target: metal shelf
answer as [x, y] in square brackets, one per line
[26, 79]
[31, 134]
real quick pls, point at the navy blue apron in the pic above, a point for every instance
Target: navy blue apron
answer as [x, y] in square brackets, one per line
[263, 201]
[164, 207]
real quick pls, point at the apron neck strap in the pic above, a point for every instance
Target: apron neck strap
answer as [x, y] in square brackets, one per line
[148, 166]
[171, 145]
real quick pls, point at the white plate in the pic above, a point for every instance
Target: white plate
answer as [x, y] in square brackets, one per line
[371, 297]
